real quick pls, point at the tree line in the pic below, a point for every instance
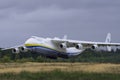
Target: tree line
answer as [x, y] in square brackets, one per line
[87, 56]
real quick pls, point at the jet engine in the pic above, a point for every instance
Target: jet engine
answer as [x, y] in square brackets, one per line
[63, 46]
[79, 46]
[23, 49]
[15, 50]
[95, 46]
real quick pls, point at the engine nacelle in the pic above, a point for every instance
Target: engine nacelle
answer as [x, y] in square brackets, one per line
[15, 50]
[94, 46]
[79, 46]
[63, 46]
[23, 49]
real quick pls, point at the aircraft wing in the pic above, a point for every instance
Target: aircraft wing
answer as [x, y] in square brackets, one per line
[94, 43]
[12, 47]
[85, 44]
[16, 49]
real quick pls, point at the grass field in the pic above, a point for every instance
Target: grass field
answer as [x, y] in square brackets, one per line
[59, 71]
[41, 67]
[59, 75]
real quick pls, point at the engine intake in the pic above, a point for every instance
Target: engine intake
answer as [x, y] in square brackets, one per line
[23, 49]
[79, 46]
[63, 46]
[15, 50]
[94, 46]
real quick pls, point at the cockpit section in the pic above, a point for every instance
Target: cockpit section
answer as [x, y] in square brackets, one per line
[34, 41]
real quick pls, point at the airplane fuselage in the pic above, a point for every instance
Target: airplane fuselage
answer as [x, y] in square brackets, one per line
[45, 47]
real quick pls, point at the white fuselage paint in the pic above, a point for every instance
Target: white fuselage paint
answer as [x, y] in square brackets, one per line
[47, 43]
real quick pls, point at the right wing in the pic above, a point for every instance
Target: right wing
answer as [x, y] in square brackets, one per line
[16, 49]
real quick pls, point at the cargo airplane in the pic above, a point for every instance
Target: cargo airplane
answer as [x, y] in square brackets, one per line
[56, 47]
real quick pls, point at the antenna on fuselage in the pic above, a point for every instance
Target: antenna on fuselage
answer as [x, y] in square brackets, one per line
[65, 37]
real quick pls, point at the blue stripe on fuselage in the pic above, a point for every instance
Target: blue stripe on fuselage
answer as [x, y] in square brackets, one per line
[50, 52]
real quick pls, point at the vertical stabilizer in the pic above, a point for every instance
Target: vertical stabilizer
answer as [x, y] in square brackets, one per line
[65, 37]
[108, 40]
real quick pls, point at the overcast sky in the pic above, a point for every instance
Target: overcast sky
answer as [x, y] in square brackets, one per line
[79, 19]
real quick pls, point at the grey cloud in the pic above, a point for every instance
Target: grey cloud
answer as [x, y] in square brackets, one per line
[80, 19]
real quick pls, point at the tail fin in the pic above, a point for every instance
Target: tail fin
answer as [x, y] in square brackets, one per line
[108, 40]
[65, 37]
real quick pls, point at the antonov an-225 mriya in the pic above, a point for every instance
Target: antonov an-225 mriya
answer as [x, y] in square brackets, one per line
[56, 47]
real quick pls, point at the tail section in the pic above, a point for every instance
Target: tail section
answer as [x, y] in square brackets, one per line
[65, 37]
[108, 40]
